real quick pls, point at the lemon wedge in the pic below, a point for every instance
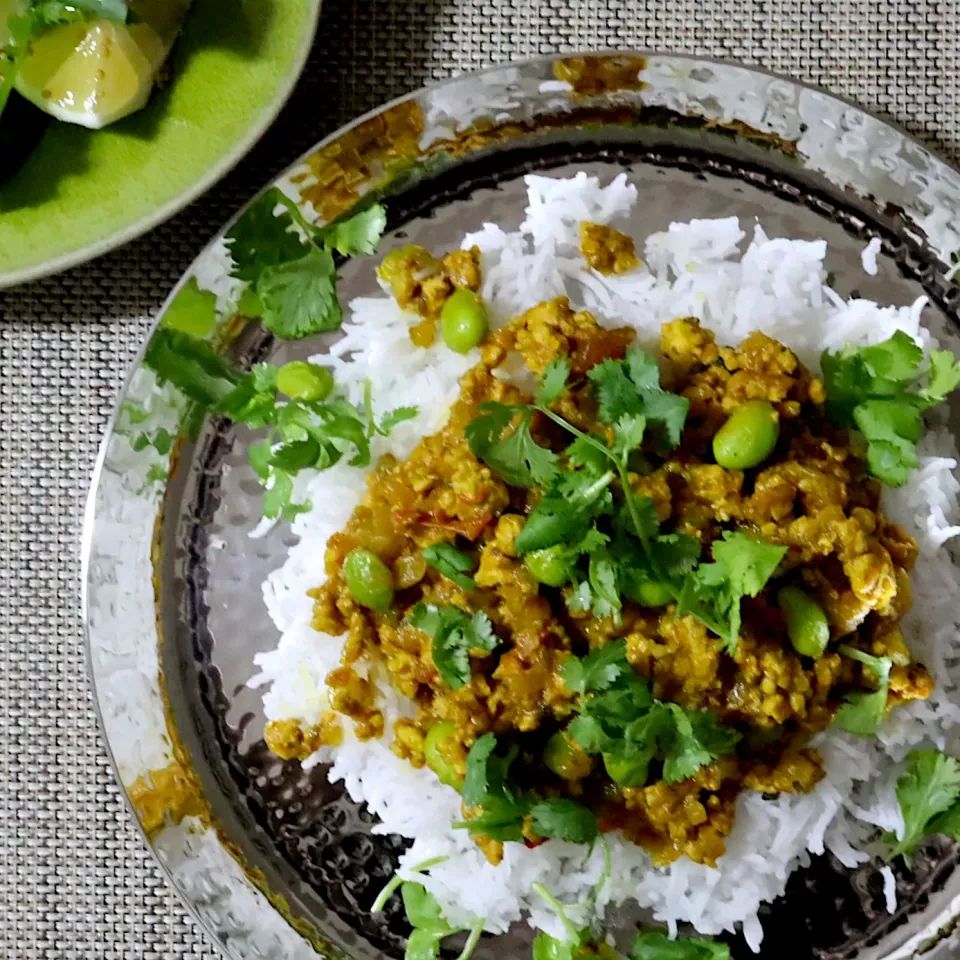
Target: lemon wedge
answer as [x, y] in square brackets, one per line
[95, 72]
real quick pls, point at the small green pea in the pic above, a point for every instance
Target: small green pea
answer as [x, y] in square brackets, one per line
[463, 320]
[549, 566]
[304, 381]
[568, 760]
[649, 593]
[368, 579]
[437, 736]
[627, 771]
[807, 624]
[748, 437]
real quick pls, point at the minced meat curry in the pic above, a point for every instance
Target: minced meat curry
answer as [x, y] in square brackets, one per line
[713, 675]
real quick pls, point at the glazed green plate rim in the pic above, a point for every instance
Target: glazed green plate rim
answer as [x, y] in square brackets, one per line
[307, 23]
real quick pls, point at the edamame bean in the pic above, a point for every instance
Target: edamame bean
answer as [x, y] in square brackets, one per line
[748, 437]
[304, 381]
[403, 269]
[463, 320]
[549, 566]
[649, 593]
[807, 624]
[368, 579]
[438, 736]
[567, 759]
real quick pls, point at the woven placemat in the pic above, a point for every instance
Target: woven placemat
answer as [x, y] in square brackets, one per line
[76, 880]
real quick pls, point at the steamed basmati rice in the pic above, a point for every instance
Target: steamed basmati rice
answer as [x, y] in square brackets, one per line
[734, 284]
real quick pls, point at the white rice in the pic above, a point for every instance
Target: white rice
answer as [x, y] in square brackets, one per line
[698, 268]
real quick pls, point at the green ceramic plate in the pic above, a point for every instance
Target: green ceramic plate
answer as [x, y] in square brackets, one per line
[80, 192]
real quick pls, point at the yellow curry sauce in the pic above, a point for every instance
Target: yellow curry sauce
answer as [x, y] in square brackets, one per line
[813, 495]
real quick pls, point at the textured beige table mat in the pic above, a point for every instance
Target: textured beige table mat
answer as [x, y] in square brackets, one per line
[76, 880]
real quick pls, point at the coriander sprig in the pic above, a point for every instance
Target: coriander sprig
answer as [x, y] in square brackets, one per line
[883, 390]
[639, 562]
[288, 262]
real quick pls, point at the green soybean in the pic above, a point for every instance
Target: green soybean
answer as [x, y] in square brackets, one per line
[463, 321]
[748, 437]
[438, 735]
[649, 593]
[568, 760]
[807, 624]
[368, 579]
[300, 380]
[549, 566]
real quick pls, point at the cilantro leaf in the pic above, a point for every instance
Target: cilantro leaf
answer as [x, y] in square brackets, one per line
[712, 593]
[421, 907]
[192, 366]
[620, 719]
[877, 390]
[564, 819]
[475, 782]
[277, 494]
[454, 634]
[892, 429]
[425, 916]
[695, 740]
[656, 945]
[927, 789]
[486, 786]
[546, 947]
[632, 387]
[356, 235]
[553, 384]
[598, 670]
[452, 563]
[299, 297]
[944, 377]
[254, 399]
[749, 562]
[392, 417]
[604, 587]
[517, 457]
[566, 511]
[262, 238]
[617, 395]
[628, 434]
[192, 310]
[862, 713]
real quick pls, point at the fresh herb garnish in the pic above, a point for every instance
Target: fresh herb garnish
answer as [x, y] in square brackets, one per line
[192, 311]
[454, 634]
[619, 718]
[741, 567]
[429, 927]
[517, 457]
[564, 819]
[928, 792]
[883, 391]
[630, 388]
[425, 915]
[862, 713]
[504, 810]
[302, 434]
[452, 563]
[656, 945]
[579, 493]
[289, 263]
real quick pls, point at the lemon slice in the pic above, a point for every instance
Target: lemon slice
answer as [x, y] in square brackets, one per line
[95, 72]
